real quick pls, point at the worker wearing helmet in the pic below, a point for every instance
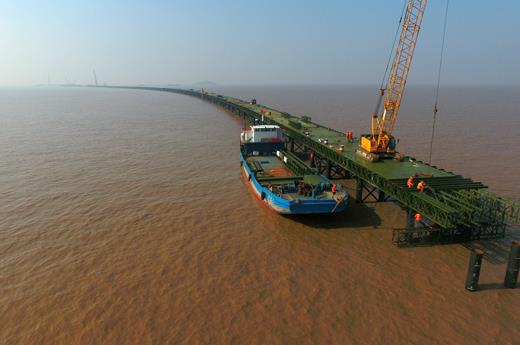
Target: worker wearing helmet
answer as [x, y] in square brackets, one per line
[421, 185]
[409, 183]
[418, 218]
[334, 189]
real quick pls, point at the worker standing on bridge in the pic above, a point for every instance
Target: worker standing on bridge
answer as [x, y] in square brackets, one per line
[334, 189]
[409, 183]
[348, 135]
[418, 219]
[421, 185]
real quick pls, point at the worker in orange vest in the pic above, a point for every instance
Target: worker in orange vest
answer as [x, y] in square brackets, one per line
[418, 217]
[409, 183]
[421, 185]
[334, 189]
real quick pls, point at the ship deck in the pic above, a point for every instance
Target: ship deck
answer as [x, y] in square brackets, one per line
[271, 171]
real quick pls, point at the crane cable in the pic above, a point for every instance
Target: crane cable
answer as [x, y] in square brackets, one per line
[435, 107]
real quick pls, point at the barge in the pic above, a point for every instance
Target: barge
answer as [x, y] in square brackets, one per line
[281, 180]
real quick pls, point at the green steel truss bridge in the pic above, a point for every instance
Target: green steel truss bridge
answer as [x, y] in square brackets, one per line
[456, 208]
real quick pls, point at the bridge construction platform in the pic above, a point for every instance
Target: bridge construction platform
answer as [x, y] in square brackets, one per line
[454, 208]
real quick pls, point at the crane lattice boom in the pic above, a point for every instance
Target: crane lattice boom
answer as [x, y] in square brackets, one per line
[401, 65]
[380, 143]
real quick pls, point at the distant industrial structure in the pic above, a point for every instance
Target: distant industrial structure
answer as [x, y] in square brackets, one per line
[95, 77]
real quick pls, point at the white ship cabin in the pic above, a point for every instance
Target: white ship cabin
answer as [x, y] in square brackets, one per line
[262, 134]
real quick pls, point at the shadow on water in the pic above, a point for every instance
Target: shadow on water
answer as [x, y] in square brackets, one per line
[354, 216]
[496, 251]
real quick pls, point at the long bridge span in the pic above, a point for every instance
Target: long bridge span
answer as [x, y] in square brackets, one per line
[456, 208]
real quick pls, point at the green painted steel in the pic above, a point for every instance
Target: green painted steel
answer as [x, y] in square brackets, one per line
[295, 164]
[451, 201]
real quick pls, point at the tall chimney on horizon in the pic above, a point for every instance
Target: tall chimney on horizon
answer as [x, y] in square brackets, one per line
[95, 77]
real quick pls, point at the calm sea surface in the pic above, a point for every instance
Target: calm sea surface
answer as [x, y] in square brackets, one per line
[124, 219]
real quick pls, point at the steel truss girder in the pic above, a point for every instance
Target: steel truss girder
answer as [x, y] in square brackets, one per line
[329, 168]
[437, 214]
[434, 235]
[371, 192]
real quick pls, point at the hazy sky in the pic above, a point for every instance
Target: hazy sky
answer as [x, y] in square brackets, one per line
[250, 42]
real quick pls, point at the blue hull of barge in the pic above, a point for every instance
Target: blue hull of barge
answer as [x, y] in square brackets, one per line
[285, 206]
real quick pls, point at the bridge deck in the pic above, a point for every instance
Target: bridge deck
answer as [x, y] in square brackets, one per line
[389, 169]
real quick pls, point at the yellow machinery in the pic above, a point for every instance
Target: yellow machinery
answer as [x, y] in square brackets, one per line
[380, 143]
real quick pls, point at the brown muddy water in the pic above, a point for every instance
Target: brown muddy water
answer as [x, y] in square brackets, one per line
[124, 219]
